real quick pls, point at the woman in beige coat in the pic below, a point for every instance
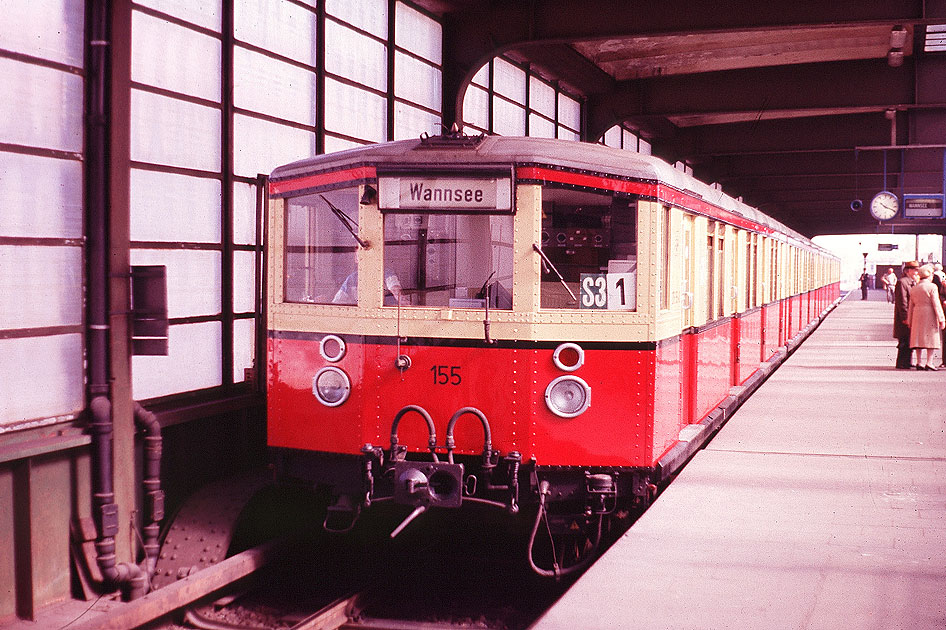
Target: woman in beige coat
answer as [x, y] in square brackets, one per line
[925, 317]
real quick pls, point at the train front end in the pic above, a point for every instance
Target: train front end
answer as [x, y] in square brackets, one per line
[433, 344]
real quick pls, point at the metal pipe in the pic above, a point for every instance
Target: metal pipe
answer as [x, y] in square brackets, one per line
[557, 570]
[153, 494]
[97, 195]
[127, 576]
[487, 434]
[431, 430]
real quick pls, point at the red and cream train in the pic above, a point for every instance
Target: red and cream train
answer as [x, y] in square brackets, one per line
[545, 326]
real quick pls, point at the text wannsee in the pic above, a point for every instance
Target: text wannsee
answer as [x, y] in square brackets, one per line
[419, 192]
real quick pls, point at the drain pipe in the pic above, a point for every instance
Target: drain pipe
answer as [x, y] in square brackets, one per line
[127, 576]
[153, 494]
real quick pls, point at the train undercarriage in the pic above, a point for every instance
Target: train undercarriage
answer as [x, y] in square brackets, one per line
[571, 508]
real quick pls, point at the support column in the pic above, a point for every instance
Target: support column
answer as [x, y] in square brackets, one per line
[119, 268]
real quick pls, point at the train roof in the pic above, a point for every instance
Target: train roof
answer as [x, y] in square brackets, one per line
[483, 151]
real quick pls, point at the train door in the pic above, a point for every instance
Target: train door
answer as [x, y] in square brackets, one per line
[777, 285]
[689, 339]
[687, 271]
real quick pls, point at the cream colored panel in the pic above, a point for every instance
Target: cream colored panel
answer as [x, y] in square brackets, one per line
[648, 235]
[277, 221]
[526, 265]
[370, 259]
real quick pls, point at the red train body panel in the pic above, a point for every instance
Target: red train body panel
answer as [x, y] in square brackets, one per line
[506, 384]
[713, 367]
[749, 344]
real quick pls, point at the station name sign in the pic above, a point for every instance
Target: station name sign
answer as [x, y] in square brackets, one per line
[424, 193]
[923, 206]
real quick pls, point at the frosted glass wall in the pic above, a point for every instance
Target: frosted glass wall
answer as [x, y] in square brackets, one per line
[41, 247]
[359, 94]
[176, 185]
[621, 137]
[504, 98]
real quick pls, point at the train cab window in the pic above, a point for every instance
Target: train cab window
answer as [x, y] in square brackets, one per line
[321, 248]
[591, 239]
[450, 260]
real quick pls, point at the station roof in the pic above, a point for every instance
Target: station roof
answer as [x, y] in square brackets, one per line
[787, 105]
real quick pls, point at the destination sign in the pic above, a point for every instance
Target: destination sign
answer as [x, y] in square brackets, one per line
[461, 194]
[923, 206]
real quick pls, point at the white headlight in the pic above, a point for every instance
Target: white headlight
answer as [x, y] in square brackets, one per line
[332, 348]
[331, 386]
[568, 396]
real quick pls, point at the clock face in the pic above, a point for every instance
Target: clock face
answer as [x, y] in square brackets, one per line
[885, 205]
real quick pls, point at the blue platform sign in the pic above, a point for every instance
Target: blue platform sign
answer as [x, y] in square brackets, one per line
[920, 206]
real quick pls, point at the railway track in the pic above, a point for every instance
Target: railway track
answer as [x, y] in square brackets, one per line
[445, 571]
[420, 597]
[346, 613]
[438, 577]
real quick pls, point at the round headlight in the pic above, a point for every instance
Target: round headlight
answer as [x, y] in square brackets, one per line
[568, 396]
[331, 386]
[332, 348]
[568, 357]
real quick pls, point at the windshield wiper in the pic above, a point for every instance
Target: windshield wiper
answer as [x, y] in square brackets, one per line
[347, 221]
[547, 265]
[485, 293]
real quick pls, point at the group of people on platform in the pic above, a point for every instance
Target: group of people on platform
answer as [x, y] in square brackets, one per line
[919, 297]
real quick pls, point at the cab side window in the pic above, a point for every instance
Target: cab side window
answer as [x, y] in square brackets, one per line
[591, 239]
[320, 251]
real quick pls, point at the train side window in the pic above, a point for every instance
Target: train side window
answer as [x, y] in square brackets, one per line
[591, 239]
[450, 260]
[321, 252]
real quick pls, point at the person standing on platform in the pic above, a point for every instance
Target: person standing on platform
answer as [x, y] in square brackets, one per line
[939, 279]
[865, 282]
[938, 271]
[890, 282]
[901, 326]
[925, 318]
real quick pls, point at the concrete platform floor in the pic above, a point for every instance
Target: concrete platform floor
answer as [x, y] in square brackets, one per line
[820, 504]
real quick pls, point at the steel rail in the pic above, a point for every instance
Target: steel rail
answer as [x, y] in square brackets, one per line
[333, 616]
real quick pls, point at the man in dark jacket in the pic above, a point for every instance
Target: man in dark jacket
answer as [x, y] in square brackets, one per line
[865, 282]
[901, 303]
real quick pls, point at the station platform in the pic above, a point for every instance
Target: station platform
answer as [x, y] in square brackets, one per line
[820, 504]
